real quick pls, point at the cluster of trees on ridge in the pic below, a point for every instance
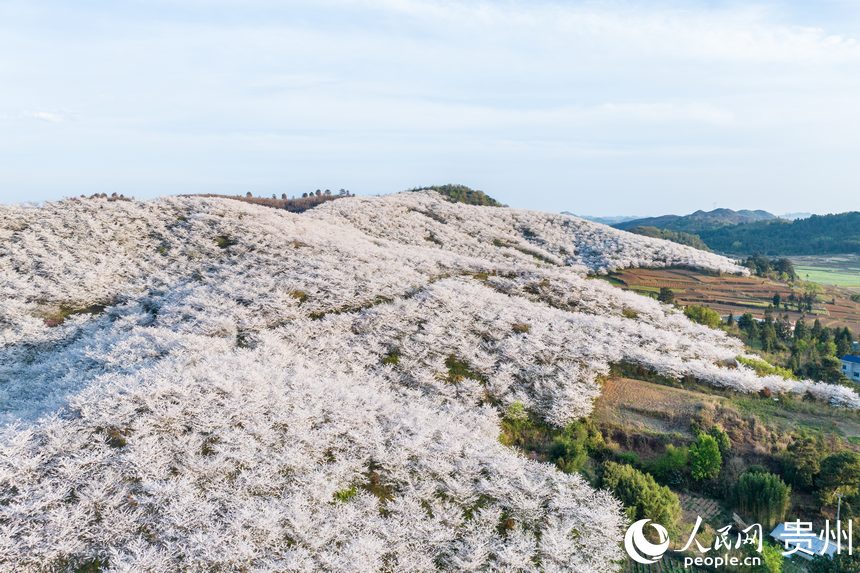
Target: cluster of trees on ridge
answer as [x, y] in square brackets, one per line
[307, 201]
[779, 269]
[462, 194]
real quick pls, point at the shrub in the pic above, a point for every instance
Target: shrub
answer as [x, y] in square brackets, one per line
[703, 315]
[630, 313]
[671, 467]
[299, 295]
[705, 458]
[842, 563]
[570, 448]
[643, 497]
[722, 438]
[344, 495]
[840, 478]
[771, 558]
[628, 458]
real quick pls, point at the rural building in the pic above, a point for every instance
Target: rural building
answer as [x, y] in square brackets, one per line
[851, 367]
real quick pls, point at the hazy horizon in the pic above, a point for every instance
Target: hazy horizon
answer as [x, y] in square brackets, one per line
[525, 205]
[594, 108]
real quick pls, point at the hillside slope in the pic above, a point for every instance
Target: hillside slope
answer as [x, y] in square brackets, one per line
[203, 384]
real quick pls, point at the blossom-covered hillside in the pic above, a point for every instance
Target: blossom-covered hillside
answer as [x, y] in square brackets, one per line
[198, 384]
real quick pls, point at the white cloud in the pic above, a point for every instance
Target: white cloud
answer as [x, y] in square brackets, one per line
[47, 116]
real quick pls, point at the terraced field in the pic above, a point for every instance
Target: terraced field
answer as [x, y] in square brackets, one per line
[738, 295]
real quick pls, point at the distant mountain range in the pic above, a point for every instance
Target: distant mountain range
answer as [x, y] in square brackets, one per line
[611, 220]
[698, 221]
[748, 232]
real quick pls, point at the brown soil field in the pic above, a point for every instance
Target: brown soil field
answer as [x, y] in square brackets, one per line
[654, 409]
[738, 295]
[647, 407]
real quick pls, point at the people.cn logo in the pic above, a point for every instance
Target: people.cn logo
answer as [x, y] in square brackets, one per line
[639, 548]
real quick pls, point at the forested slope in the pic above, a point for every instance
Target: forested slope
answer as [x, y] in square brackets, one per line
[816, 235]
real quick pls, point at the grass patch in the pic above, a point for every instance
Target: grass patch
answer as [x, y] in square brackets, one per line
[764, 368]
[637, 372]
[208, 447]
[319, 314]
[611, 279]
[115, 437]
[459, 369]
[375, 485]
[830, 276]
[223, 241]
[344, 495]
[791, 413]
[243, 339]
[568, 447]
[299, 295]
[58, 316]
[392, 358]
[91, 566]
[431, 215]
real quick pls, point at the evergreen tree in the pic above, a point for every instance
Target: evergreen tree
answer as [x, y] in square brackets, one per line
[666, 295]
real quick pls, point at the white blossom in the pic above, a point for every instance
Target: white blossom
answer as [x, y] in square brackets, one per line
[201, 384]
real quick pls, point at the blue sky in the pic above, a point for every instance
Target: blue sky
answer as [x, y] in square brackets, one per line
[592, 107]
